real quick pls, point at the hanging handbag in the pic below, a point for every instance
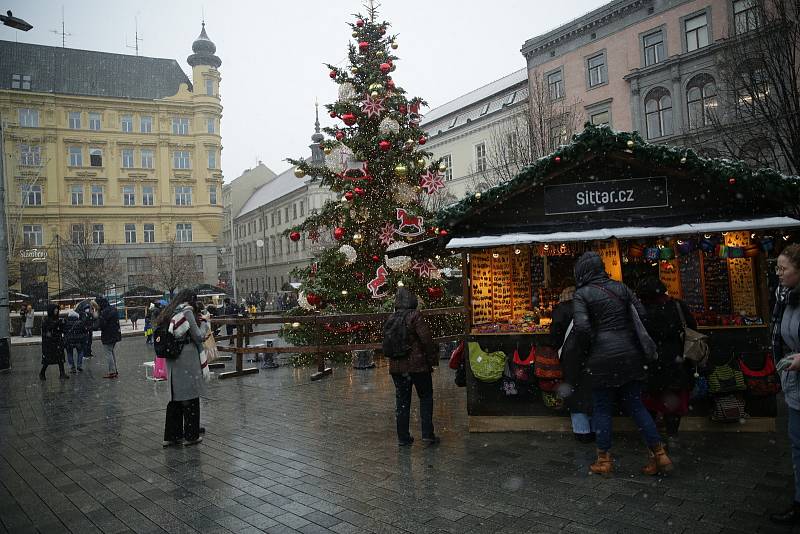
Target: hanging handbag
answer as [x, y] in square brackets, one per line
[460, 379]
[725, 379]
[727, 409]
[648, 346]
[547, 366]
[523, 369]
[695, 344]
[761, 383]
[457, 356]
[486, 367]
[509, 384]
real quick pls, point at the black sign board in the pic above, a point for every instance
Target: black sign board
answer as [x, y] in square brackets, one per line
[635, 193]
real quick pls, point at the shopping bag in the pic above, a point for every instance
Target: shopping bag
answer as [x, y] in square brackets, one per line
[210, 347]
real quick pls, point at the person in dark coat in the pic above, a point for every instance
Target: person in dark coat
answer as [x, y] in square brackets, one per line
[414, 370]
[52, 342]
[670, 380]
[110, 335]
[615, 362]
[74, 341]
[230, 311]
[577, 386]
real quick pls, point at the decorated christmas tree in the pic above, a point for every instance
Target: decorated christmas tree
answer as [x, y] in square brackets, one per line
[375, 164]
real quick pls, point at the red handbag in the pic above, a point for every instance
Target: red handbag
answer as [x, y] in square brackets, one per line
[527, 361]
[763, 382]
[523, 368]
[457, 356]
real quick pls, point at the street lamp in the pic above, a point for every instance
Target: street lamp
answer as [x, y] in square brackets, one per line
[5, 315]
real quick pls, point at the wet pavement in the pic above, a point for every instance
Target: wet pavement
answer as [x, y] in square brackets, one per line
[284, 454]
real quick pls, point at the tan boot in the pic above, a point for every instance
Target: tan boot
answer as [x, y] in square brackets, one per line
[658, 462]
[604, 464]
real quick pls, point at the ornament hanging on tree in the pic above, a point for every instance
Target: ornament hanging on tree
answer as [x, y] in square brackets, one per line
[386, 235]
[373, 107]
[313, 235]
[363, 46]
[389, 126]
[397, 263]
[431, 182]
[385, 145]
[385, 68]
[338, 233]
[349, 119]
[410, 225]
[349, 254]
[294, 236]
[347, 92]
[435, 292]
[423, 268]
[337, 160]
[355, 170]
[375, 285]
[339, 135]
[303, 302]
[405, 193]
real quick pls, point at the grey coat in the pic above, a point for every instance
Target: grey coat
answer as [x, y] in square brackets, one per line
[184, 374]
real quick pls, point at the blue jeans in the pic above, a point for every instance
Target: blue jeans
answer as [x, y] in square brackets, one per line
[630, 396]
[423, 383]
[111, 359]
[581, 423]
[78, 352]
[794, 439]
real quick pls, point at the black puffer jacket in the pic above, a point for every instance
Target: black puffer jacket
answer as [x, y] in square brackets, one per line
[74, 331]
[108, 323]
[52, 337]
[423, 355]
[604, 326]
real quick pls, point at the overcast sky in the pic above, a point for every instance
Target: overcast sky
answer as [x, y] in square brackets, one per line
[272, 52]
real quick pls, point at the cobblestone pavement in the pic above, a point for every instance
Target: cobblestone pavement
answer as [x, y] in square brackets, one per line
[283, 454]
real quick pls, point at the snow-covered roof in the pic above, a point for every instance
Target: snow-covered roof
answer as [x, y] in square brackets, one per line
[473, 97]
[280, 186]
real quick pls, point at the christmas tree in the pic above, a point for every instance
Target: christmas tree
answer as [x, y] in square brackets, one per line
[375, 164]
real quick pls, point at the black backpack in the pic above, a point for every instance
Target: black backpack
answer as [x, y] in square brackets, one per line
[166, 345]
[396, 343]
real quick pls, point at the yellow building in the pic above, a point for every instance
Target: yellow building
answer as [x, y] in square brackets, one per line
[115, 149]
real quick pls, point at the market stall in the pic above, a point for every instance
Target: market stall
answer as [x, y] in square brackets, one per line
[709, 229]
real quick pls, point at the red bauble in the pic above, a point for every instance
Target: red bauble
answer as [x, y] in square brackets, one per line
[432, 230]
[294, 236]
[376, 258]
[349, 196]
[339, 135]
[359, 275]
[333, 114]
[385, 67]
[363, 46]
[338, 233]
[385, 145]
[557, 159]
[360, 191]
[402, 109]
[349, 119]
[732, 181]
[414, 107]
[422, 140]
[390, 84]
[443, 232]
[435, 292]
[332, 74]
[360, 23]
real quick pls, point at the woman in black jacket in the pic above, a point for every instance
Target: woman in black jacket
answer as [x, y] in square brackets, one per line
[605, 329]
[52, 342]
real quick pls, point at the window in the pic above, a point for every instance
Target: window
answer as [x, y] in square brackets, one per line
[127, 158]
[31, 195]
[75, 156]
[20, 81]
[76, 195]
[658, 113]
[286, 214]
[480, 157]
[302, 208]
[146, 124]
[447, 161]
[279, 217]
[183, 195]
[485, 108]
[97, 195]
[598, 71]
[78, 234]
[183, 232]
[272, 220]
[510, 99]
[128, 195]
[745, 15]
[272, 244]
[701, 100]
[29, 118]
[32, 235]
[126, 123]
[209, 87]
[94, 121]
[95, 157]
[754, 88]
[600, 118]
[198, 263]
[212, 195]
[653, 48]
[181, 159]
[211, 124]
[140, 264]
[555, 85]
[147, 158]
[75, 120]
[147, 195]
[130, 233]
[696, 32]
[294, 211]
[30, 155]
[212, 159]
[98, 234]
[558, 133]
[149, 233]
[180, 126]
[512, 146]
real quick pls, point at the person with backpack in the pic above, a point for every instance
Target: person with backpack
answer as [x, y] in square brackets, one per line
[74, 341]
[179, 340]
[52, 342]
[110, 334]
[412, 353]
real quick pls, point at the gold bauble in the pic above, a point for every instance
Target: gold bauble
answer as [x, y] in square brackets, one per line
[358, 239]
[355, 34]
[478, 195]
[394, 45]
[418, 190]
[327, 150]
[421, 162]
[298, 172]
[354, 70]
[442, 167]
[631, 144]
[375, 87]
[401, 171]
[378, 54]
[374, 94]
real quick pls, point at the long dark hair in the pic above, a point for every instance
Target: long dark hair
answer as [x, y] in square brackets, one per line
[187, 295]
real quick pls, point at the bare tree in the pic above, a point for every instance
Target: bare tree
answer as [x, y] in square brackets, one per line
[758, 116]
[87, 266]
[173, 267]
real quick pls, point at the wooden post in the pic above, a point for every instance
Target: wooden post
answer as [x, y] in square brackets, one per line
[322, 371]
[241, 324]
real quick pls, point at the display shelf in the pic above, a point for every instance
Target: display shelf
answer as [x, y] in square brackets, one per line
[733, 327]
[509, 333]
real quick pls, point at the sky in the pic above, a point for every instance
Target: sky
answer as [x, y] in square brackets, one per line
[273, 52]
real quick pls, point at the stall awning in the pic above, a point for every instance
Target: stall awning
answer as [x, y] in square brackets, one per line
[625, 232]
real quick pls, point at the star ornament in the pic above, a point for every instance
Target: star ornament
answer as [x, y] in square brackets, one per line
[386, 235]
[431, 181]
[423, 268]
[373, 107]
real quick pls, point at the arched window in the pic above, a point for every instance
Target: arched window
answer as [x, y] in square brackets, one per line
[658, 113]
[701, 100]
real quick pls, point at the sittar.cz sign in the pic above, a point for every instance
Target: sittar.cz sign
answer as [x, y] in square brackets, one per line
[636, 193]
